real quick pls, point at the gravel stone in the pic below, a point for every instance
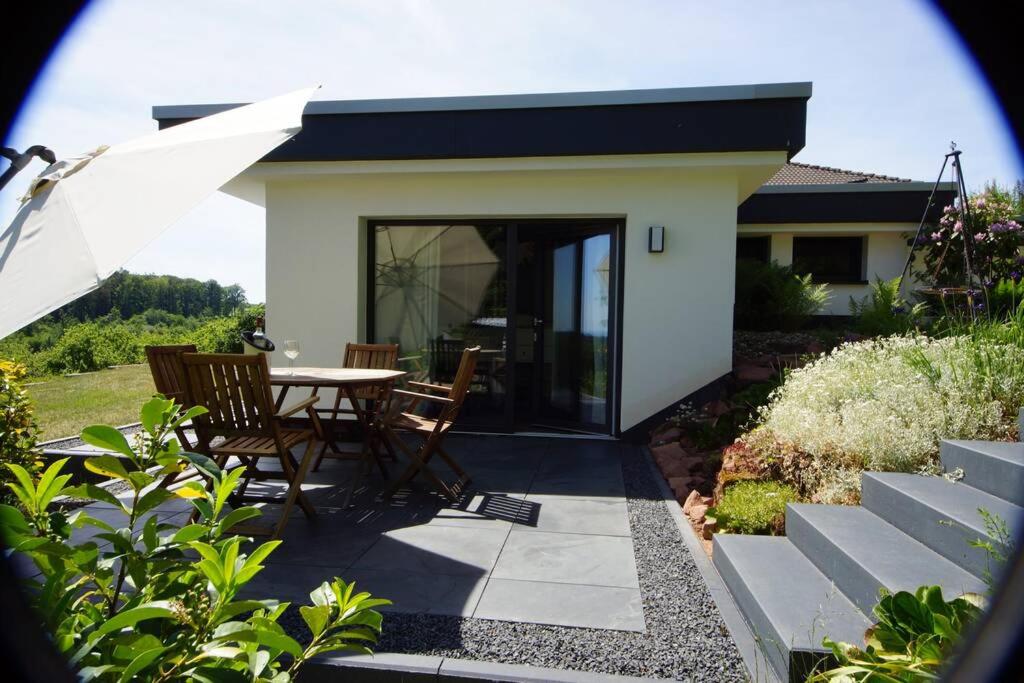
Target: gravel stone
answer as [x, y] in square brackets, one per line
[686, 638]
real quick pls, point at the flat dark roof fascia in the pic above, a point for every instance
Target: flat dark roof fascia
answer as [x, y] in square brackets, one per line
[883, 205]
[633, 125]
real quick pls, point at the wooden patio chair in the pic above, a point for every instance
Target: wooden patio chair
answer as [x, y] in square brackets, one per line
[169, 375]
[373, 356]
[431, 430]
[169, 379]
[236, 391]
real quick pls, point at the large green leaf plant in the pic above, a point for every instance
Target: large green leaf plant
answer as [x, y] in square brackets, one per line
[158, 601]
[915, 636]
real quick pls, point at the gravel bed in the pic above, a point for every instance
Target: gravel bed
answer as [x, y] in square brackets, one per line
[686, 638]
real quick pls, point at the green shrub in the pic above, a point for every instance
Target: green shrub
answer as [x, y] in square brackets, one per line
[1005, 298]
[885, 404]
[54, 349]
[159, 601]
[753, 507]
[915, 636]
[18, 429]
[884, 312]
[773, 297]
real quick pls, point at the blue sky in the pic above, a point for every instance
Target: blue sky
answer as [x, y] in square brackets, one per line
[892, 87]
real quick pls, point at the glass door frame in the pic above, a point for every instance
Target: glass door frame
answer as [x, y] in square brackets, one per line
[576, 235]
[614, 226]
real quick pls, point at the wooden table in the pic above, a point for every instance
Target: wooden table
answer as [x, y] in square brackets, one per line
[348, 381]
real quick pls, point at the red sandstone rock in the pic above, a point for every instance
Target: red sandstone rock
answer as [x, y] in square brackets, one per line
[716, 408]
[710, 527]
[681, 487]
[665, 434]
[752, 374]
[691, 500]
[698, 512]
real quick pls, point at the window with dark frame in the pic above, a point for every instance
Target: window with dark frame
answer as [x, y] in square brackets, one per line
[832, 260]
[754, 248]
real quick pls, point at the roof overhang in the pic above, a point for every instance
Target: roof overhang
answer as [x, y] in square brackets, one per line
[845, 203]
[746, 118]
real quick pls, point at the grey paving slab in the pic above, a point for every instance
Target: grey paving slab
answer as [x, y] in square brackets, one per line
[484, 511]
[418, 593]
[584, 559]
[322, 544]
[560, 604]
[435, 550]
[291, 582]
[604, 516]
[579, 478]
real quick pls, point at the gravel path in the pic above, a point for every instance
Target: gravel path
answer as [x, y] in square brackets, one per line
[686, 638]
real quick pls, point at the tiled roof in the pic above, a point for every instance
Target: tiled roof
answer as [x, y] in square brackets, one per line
[795, 173]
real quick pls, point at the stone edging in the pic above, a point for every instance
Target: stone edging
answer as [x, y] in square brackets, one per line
[758, 667]
[387, 667]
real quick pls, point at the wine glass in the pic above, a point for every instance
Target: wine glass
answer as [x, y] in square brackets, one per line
[291, 350]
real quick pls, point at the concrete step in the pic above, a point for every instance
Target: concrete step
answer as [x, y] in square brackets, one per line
[996, 467]
[861, 553]
[789, 604]
[940, 514]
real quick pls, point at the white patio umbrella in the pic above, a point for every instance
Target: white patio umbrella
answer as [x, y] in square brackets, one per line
[83, 218]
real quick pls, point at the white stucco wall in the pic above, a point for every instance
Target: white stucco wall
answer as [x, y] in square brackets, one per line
[885, 252]
[677, 323]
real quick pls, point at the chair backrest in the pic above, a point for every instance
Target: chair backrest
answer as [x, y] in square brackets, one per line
[445, 357]
[168, 371]
[463, 378]
[235, 389]
[375, 356]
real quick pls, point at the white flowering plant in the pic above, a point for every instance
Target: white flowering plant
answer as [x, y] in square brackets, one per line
[884, 405]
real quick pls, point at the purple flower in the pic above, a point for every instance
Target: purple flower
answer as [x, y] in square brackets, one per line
[936, 236]
[978, 237]
[958, 226]
[1015, 275]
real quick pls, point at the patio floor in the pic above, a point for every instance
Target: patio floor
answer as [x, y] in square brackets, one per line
[564, 554]
[543, 536]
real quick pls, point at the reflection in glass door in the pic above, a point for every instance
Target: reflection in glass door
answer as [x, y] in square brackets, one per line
[437, 289]
[573, 332]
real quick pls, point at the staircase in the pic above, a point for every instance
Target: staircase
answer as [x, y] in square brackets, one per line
[823, 577]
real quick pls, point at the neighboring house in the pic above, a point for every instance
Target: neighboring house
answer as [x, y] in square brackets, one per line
[521, 223]
[846, 228]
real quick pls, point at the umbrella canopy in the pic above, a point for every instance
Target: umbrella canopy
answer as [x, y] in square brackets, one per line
[83, 218]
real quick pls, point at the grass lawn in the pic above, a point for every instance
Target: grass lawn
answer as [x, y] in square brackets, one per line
[64, 405]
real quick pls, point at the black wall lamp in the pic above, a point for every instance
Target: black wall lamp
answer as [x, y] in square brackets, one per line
[656, 239]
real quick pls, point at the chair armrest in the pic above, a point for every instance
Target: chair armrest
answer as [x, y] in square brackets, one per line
[422, 397]
[298, 407]
[429, 387]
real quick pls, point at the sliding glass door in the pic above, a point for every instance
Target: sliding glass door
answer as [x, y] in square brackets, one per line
[545, 324]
